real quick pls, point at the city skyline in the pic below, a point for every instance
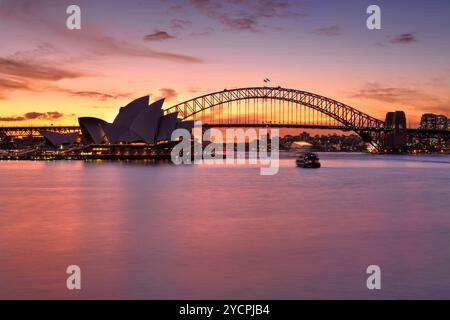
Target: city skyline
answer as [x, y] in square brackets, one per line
[182, 49]
[232, 154]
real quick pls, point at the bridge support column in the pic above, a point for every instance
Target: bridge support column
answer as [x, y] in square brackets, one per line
[395, 136]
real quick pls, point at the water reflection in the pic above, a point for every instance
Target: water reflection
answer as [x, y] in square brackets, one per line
[144, 230]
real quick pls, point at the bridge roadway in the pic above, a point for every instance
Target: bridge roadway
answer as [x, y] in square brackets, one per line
[31, 131]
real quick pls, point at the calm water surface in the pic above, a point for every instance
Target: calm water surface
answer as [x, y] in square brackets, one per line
[203, 232]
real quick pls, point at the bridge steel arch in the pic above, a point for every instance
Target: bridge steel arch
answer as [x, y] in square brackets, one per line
[368, 127]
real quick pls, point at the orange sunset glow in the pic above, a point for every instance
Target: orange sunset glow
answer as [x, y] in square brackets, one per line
[224, 159]
[180, 50]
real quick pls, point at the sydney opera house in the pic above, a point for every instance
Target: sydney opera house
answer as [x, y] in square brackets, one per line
[137, 122]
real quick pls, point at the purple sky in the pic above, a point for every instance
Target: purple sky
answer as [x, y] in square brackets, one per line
[181, 49]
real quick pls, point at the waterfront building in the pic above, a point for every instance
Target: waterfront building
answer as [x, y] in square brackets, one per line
[137, 122]
[441, 122]
[434, 122]
[57, 139]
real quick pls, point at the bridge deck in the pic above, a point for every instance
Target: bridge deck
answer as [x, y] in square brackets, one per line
[34, 131]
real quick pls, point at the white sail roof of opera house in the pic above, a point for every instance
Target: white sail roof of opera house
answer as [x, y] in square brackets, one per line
[167, 125]
[127, 114]
[92, 129]
[59, 139]
[146, 123]
[136, 122]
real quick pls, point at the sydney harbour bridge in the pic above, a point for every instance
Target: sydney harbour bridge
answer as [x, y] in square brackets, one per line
[276, 107]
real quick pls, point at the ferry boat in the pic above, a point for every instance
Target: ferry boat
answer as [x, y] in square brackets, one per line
[308, 160]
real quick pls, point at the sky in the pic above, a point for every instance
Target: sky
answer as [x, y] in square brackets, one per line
[182, 49]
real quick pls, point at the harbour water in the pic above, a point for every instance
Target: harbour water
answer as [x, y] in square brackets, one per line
[160, 231]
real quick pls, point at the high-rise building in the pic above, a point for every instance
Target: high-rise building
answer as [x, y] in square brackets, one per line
[434, 122]
[441, 122]
[428, 121]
